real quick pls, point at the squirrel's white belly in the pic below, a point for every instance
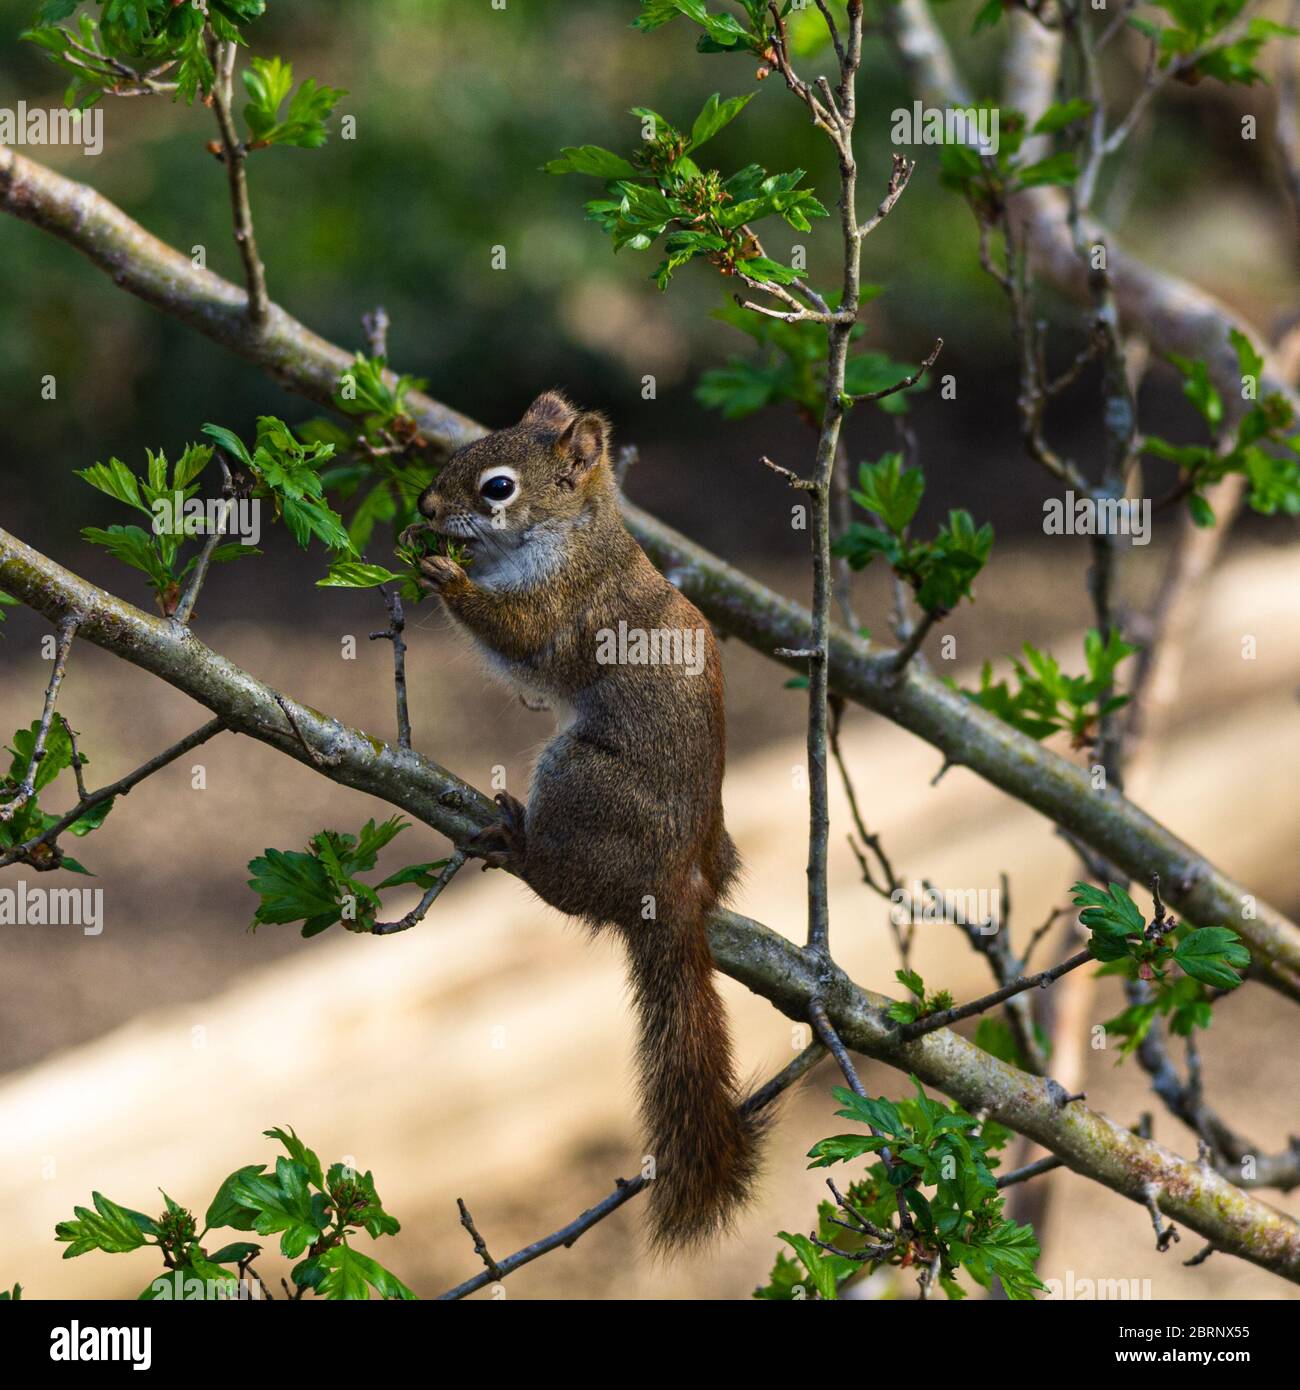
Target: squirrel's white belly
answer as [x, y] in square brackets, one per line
[523, 681]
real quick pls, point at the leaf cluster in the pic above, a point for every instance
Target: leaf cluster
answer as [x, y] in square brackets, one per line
[1209, 958]
[156, 552]
[132, 37]
[315, 1213]
[660, 191]
[1265, 447]
[320, 886]
[30, 821]
[1046, 700]
[941, 1162]
[939, 571]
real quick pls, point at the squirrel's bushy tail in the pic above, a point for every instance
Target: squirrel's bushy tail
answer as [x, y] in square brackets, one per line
[705, 1150]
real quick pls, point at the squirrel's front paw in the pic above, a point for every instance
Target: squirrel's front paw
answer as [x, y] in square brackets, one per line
[501, 844]
[442, 575]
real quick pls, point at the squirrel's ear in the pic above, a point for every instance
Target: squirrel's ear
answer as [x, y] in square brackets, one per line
[550, 408]
[582, 446]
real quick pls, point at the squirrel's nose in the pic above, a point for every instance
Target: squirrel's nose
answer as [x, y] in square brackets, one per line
[428, 504]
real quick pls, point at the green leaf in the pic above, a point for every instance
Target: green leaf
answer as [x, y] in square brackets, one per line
[269, 81]
[715, 115]
[1109, 913]
[820, 1270]
[987, 16]
[351, 1275]
[284, 1204]
[225, 1209]
[109, 1227]
[1213, 955]
[136, 548]
[770, 271]
[299, 1152]
[292, 887]
[355, 574]
[880, 1113]
[1060, 168]
[230, 442]
[591, 159]
[422, 875]
[1249, 361]
[911, 981]
[115, 480]
[891, 491]
[57, 753]
[1198, 388]
[306, 518]
[1061, 114]
[843, 1148]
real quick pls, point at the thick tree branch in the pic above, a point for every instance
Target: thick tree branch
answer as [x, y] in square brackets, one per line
[161, 276]
[769, 964]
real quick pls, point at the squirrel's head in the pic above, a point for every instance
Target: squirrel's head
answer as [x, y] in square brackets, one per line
[515, 497]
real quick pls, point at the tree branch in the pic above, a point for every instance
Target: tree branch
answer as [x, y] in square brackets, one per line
[760, 959]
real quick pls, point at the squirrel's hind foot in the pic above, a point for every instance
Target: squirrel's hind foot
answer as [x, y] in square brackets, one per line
[501, 844]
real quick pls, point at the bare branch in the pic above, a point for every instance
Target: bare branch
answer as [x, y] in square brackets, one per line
[418, 913]
[27, 787]
[945, 1017]
[393, 633]
[233, 154]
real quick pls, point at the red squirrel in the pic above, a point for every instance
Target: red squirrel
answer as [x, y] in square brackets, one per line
[623, 826]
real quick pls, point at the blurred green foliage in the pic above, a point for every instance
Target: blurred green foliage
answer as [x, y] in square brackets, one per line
[457, 107]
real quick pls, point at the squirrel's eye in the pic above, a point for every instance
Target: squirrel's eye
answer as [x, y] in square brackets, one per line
[498, 489]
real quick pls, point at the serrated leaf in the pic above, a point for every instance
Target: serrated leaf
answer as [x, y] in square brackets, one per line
[350, 1275]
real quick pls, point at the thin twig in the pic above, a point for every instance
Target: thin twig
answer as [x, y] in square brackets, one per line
[1165, 1235]
[233, 154]
[1030, 1170]
[830, 1039]
[417, 914]
[185, 608]
[393, 633]
[376, 324]
[907, 380]
[320, 759]
[917, 636]
[27, 787]
[945, 1017]
[624, 1190]
[480, 1245]
[114, 789]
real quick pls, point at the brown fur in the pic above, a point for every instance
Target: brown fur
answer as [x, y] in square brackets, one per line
[625, 805]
